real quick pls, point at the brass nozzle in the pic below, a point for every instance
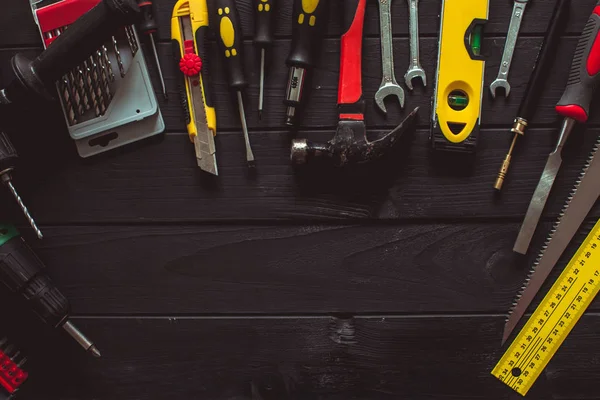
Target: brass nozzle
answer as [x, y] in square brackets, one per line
[519, 126]
[503, 172]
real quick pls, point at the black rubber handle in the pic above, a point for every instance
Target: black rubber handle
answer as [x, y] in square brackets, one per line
[147, 23]
[225, 19]
[73, 46]
[309, 20]
[8, 153]
[264, 22]
[21, 271]
[84, 37]
[545, 59]
[585, 72]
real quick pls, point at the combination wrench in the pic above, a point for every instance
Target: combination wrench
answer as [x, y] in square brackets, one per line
[414, 70]
[509, 48]
[389, 86]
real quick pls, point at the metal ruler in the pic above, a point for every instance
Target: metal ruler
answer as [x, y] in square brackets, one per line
[553, 320]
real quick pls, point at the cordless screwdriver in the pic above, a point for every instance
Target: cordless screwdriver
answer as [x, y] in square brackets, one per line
[22, 272]
[309, 19]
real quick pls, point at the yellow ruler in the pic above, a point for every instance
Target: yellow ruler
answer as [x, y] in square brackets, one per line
[554, 318]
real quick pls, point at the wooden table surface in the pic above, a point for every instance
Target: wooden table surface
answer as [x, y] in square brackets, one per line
[393, 285]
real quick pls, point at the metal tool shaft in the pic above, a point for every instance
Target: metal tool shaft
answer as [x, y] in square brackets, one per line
[30, 219]
[540, 196]
[160, 73]
[262, 83]
[249, 153]
[415, 70]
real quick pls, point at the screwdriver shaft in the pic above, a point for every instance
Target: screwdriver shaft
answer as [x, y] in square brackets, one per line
[81, 338]
[262, 83]
[249, 154]
[12, 189]
[160, 74]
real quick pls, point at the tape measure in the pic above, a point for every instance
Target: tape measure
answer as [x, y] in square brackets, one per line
[554, 318]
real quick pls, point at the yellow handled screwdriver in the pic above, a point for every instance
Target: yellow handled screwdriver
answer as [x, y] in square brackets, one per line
[225, 20]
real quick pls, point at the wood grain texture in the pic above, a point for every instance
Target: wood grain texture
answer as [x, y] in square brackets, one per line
[309, 269]
[303, 358]
[158, 181]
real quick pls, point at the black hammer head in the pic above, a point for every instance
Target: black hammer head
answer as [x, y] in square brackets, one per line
[350, 146]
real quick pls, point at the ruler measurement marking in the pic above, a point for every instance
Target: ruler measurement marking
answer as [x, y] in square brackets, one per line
[524, 360]
[539, 340]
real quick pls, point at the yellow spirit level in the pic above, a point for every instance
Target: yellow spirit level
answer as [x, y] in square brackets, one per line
[459, 84]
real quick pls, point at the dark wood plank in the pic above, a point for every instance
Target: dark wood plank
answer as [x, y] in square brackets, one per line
[17, 18]
[295, 358]
[158, 180]
[232, 269]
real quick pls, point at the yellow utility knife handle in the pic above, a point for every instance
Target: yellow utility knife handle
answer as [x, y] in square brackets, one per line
[197, 12]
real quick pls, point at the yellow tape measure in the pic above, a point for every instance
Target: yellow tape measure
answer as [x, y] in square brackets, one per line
[553, 320]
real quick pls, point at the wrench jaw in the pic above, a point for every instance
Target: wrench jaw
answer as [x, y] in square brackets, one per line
[350, 146]
[389, 89]
[500, 83]
[413, 74]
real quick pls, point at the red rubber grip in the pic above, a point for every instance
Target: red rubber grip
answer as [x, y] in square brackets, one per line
[584, 77]
[350, 84]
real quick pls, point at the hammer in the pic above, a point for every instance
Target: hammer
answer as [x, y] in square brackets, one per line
[350, 146]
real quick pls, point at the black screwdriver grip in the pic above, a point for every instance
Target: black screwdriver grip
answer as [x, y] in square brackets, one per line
[225, 19]
[21, 271]
[8, 153]
[147, 22]
[264, 22]
[309, 20]
[585, 72]
[545, 59]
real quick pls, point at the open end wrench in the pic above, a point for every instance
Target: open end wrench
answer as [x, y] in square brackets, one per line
[509, 48]
[414, 70]
[389, 86]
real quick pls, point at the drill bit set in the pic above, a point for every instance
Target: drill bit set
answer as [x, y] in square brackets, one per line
[108, 100]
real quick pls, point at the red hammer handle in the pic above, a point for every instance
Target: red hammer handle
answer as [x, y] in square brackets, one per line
[350, 84]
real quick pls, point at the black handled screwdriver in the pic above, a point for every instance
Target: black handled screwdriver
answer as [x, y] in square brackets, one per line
[537, 80]
[224, 16]
[8, 160]
[308, 33]
[22, 272]
[149, 27]
[263, 38]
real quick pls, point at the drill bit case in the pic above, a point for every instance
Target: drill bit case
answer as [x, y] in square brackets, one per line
[108, 101]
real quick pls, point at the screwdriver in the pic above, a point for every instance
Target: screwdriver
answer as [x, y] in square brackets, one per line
[263, 37]
[8, 159]
[149, 26]
[230, 41]
[574, 106]
[537, 80]
[21, 271]
[309, 19]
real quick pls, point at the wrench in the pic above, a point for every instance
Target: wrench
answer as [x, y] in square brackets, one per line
[509, 48]
[414, 70]
[389, 86]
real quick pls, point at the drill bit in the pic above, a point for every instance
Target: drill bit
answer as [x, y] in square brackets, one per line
[118, 55]
[6, 179]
